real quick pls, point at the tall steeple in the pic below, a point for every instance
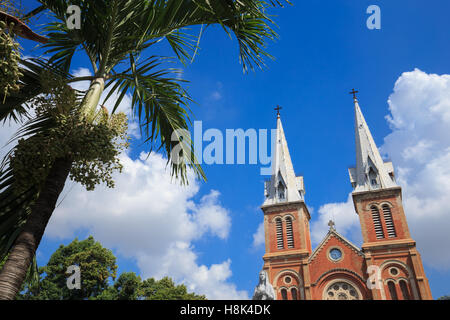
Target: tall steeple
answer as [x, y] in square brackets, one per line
[286, 224]
[283, 185]
[387, 242]
[371, 172]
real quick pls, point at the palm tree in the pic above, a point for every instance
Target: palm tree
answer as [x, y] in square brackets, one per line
[114, 35]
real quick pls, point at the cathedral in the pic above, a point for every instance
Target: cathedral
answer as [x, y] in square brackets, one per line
[387, 267]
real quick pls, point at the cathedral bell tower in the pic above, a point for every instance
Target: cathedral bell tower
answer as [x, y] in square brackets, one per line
[286, 225]
[387, 243]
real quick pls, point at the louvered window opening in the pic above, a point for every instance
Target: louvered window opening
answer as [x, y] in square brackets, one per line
[404, 288]
[294, 294]
[392, 290]
[280, 244]
[387, 214]
[289, 233]
[284, 294]
[377, 223]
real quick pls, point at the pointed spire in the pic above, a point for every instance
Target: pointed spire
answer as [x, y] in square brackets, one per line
[283, 185]
[371, 172]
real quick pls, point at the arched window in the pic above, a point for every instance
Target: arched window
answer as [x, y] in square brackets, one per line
[279, 226]
[377, 222]
[289, 233]
[284, 294]
[404, 288]
[392, 291]
[387, 214]
[294, 294]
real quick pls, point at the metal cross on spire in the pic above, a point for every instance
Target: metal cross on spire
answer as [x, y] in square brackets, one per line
[278, 108]
[354, 92]
[331, 224]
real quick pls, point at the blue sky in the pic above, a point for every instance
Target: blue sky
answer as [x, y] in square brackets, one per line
[323, 51]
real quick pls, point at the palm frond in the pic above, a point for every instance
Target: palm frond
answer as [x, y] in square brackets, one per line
[117, 31]
[15, 205]
[161, 105]
[21, 29]
[246, 19]
[183, 45]
[14, 211]
[62, 44]
[111, 30]
[15, 105]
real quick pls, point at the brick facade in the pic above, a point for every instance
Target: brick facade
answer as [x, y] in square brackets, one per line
[302, 274]
[386, 267]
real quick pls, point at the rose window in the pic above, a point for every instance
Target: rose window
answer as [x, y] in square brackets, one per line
[341, 291]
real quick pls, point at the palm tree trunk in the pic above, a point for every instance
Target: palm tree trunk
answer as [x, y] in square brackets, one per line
[16, 266]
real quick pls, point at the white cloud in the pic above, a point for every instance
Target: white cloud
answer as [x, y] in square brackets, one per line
[146, 217]
[344, 216]
[154, 221]
[258, 236]
[419, 146]
[211, 216]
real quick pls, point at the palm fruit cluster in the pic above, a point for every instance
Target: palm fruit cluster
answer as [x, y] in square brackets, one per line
[94, 148]
[9, 61]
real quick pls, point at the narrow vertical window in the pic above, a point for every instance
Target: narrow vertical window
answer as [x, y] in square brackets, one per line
[289, 233]
[373, 178]
[284, 294]
[387, 214]
[392, 291]
[294, 294]
[377, 222]
[404, 288]
[279, 226]
[281, 191]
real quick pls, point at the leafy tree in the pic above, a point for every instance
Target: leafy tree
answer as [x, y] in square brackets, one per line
[97, 265]
[129, 286]
[446, 297]
[165, 289]
[115, 36]
[126, 287]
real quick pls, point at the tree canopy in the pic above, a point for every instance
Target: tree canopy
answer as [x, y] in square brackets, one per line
[98, 270]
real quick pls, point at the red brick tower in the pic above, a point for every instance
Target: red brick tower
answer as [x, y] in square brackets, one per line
[286, 226]
[397, 271]
[387, 267]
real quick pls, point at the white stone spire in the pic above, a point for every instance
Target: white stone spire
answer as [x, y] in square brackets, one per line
[371, 172]
[283, 185]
